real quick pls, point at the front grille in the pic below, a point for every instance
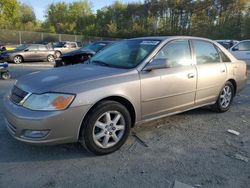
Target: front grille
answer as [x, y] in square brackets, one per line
[17, 95]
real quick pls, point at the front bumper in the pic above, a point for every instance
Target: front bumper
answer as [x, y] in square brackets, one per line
[62, 126]
[7, 58]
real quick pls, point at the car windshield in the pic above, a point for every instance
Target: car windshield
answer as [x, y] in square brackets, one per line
[94, 46]
[22, 47]
[125, 54]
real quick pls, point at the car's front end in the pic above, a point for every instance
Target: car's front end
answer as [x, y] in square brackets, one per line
[7, 56]
[48, 119]
[48, 107]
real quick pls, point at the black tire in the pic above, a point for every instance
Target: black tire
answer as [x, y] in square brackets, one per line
[50, 58]
[18, 59]
[88, 126]
[218, 106]
[5, 76]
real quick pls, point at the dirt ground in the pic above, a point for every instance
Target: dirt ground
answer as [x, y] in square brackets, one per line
[193, 147]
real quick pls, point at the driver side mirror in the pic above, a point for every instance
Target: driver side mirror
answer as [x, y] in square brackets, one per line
[157, 64]
[26, 50]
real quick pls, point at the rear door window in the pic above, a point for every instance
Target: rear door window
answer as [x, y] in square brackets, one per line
[33, 47]
[42, 48]
[205, 52]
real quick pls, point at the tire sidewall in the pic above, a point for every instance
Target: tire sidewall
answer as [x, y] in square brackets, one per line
[87, 130]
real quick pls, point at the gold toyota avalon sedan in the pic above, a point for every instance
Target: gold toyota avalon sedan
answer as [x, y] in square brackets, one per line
[130, 82]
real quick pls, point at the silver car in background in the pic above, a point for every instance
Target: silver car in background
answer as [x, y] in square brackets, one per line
[130, 82]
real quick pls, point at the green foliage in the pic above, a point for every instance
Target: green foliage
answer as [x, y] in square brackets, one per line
[9, 13]
[216, 19]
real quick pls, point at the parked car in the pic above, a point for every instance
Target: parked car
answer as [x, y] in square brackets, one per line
[241, 51]
[81, 55]
[80, 44]
[4, 72]
[130, 82]
[227, 43]
[28, 52]
[64, 47]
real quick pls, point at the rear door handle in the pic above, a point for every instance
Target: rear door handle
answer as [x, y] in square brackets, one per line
[191, 75]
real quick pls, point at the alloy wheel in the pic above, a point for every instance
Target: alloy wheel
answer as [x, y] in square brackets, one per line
[226, 96]
[109, 129]
[17, 59]
[50, 58]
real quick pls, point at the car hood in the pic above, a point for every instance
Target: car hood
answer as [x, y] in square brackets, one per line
[59, 78]
[78, 52]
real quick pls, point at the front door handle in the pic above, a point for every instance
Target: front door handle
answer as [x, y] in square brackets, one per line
[191, 75]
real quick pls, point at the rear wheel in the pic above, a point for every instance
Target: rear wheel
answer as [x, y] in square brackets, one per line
[18, 59]
[225, 98]
[5, 75]
[106, 128]
[50, 58]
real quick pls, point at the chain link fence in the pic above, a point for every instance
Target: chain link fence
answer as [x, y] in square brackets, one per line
[12, 37]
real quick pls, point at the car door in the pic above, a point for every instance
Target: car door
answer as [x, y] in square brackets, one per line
[242, 51]
[31, 53]
[212, 73]
[170, 89]
[42, 52]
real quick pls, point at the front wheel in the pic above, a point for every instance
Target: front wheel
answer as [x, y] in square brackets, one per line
[106, 128]
[225, 98]
[6, 75]
[18, 59]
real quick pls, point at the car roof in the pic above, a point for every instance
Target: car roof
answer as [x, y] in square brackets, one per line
[162, 38]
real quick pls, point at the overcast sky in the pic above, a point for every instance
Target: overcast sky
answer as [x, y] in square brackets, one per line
[41, 5]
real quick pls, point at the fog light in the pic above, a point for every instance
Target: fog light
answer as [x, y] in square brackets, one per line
[35, 133]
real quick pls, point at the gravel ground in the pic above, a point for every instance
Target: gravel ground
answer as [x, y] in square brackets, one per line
[193, 147]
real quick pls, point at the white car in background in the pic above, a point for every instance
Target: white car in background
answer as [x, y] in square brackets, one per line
[227, 43]
[241, 51]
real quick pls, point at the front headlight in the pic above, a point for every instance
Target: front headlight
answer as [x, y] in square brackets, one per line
[48, 101]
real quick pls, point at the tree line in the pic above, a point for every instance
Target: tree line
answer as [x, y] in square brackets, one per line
[216, 19]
